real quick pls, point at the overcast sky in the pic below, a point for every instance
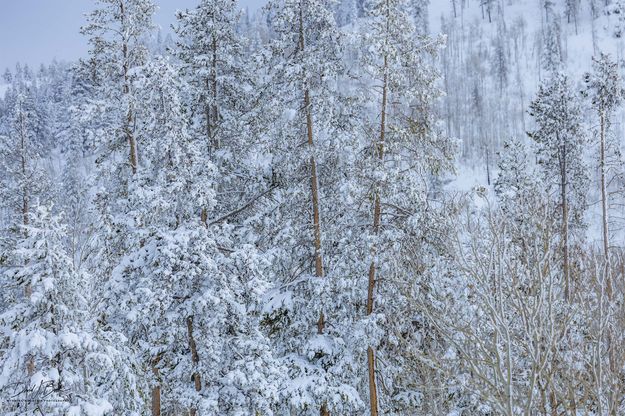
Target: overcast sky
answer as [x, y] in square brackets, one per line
[36, 31]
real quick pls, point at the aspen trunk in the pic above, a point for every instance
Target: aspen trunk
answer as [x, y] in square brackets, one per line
[195, 359]
[314, 187]
[377, 215]
[604, 203]
[565, 223]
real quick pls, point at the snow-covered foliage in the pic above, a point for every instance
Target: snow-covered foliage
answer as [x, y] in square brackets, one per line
[398, 207]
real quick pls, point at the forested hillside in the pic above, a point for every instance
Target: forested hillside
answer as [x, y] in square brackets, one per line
[379, 207]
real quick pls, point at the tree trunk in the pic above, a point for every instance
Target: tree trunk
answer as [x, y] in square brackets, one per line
[24, 173]
[127, 127]
[28, 290]
[156, 390]
[604, 204]
[565, 224]
[214, 109]
[314, 187]
[377, 216]
[195, 359]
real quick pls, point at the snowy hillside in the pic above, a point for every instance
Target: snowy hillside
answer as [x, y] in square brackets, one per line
[492, 69]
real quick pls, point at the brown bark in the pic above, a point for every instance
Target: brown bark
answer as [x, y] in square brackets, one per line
[204, 217]
[156, 390]
[214, 109]
[211, 109]
[25, 191]
[207, 118]
[377, 216]
[195, 359]
[127, 127]
[28, 290]
[314, 187]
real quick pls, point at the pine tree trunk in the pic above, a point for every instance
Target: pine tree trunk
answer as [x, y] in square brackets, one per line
[314, 188]
[377, 216]
[132, 142]
[25, 194]
[28, 290]
[156, 390]
[214, 109]
[127, 127]
[195, 359]
[207, 117]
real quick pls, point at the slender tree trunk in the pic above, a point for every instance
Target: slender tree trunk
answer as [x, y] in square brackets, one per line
[604, 196]
[156, 390]
[214, 109]
[211, 111]
[487, 152]
[195, 359]
[207, 116]
[604, 203]
[127, 127]
[314, 187]
[28, 290]
[377, 216]
[25, 191]
[565, 224]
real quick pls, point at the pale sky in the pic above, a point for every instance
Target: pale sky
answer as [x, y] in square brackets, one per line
[37, 31]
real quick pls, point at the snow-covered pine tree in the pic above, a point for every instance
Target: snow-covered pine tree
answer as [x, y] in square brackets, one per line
[559, 141]
[309, 156]
[212, 53]
[190, 294]
[223, 102]
[53, 353]
[116, 32]
[405, 150]
[519, 190]
[604, 87]
[22, 175]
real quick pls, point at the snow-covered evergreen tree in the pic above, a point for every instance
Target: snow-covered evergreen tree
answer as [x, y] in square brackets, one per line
[605, 88]
[406, 149]
[560, 143]
[308, 154]
[22, 176]
[53, 356]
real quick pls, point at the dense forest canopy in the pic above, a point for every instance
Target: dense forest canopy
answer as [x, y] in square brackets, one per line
[380, 207]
